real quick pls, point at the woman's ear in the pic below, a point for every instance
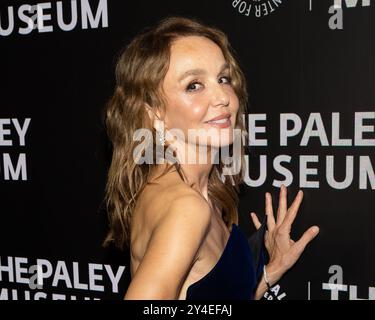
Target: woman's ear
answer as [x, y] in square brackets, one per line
[150, 112]
[153, 114]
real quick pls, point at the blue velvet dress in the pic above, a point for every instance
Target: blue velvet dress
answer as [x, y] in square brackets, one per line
[238, 270]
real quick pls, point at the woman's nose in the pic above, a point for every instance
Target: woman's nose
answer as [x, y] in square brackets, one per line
[219, 96]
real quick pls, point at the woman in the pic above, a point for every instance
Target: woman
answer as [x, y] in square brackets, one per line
[179, 218]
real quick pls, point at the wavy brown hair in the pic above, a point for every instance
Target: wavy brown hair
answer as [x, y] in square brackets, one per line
[140, 70]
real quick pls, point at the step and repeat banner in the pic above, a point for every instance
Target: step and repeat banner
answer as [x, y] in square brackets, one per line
[310, 67]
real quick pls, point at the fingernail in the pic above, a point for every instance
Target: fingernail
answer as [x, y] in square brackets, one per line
[315, 229]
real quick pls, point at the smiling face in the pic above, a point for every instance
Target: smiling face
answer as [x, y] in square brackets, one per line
[197, 89]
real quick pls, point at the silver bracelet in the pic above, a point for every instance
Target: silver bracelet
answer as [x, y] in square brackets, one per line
[266, 277]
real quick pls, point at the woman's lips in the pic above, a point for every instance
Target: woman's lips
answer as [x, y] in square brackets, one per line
[222, 123]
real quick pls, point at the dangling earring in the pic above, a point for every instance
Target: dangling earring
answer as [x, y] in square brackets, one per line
[161, 137]
[160, 131]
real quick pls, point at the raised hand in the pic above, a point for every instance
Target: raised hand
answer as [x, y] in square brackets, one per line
[282, 250]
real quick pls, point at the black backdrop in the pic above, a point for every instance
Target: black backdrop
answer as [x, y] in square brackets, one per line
[303, 59]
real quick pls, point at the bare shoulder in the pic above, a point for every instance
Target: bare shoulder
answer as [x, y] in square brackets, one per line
[185, 219]
[173, 197]
[174, 243]
[190, 212]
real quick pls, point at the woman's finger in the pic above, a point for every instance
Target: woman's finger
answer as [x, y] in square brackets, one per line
[255, 219]
[281, 211]
[301, 244]
[269, 212]
[293, 210]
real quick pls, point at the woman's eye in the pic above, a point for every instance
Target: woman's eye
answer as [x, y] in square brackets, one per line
[192, 86]
[228, 79]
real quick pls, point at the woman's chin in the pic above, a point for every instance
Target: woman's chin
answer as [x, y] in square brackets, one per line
[220, 144]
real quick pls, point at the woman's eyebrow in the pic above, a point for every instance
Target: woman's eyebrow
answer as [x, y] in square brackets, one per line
[197, 72]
